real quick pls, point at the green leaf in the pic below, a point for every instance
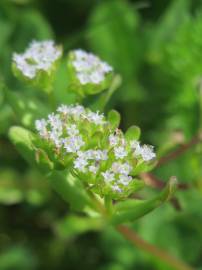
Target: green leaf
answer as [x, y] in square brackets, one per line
[23, 140]
[71, 190]
[43, 160]
[129, 211]
[114, 118]
[104, 97]
[74, 225]
[26, 107]
[133, 133]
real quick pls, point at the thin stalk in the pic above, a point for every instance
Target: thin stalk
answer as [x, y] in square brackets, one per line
[108, 204]
[99, 205]
[136, 240]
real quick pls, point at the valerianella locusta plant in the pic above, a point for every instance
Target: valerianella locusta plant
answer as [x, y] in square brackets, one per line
[38, 63]
[95, 150]
[88, 74]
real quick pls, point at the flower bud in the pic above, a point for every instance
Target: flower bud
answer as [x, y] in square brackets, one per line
[88, 75]
[37, 64]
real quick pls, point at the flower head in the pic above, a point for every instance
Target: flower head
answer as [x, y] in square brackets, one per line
[96, 152]
[39, 56]
[89, 68]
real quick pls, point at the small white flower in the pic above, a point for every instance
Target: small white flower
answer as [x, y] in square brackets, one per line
[120, 152]
[77, 110]
[113, 140]
[55, 122]
[55, 137]
[116, 188]
[108, 176]
[80, 164]
[38, 56]
[121, 168]
[64, 109]
[73, 144]
[147, 152]
[124, 179]
[41, 127]
[89, 68]
[96, 118]
[100, 155]
[93, 169]
[72, 130]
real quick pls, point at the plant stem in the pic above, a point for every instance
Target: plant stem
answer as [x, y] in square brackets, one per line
[108, 204]
[136, 240]
[151, 180]
[97, 202]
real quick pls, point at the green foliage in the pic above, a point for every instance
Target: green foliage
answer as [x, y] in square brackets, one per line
[156, 54]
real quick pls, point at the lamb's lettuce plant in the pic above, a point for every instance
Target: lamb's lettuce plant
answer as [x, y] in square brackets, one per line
[86, 157]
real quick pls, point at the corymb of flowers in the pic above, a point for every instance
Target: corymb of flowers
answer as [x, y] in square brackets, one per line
[39, 56]
[87, 69]
[93, 148]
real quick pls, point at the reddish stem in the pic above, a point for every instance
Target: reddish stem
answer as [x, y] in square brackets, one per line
[179, 151]
[136, 240]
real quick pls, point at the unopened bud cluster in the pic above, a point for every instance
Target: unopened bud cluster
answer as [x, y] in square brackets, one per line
[89, 68]
[88, 72]
[39, 56]
[98, 154]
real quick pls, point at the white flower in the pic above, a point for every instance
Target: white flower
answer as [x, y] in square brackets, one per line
[41, 127]
[80, 164]
[77, 110]
[93, 169]
[55, 137]
[120, 152]
[125, 179]
[64, 109]
[72, 130]
[147, 152]
[73, 144]
[121, 168]
[116, 188]
[55, 122]
[38, 56]
[100, 155]
[96, 118]
[108, 176]
[89, 68]
[113, 140]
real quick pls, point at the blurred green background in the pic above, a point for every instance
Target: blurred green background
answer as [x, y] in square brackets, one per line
[156, 46]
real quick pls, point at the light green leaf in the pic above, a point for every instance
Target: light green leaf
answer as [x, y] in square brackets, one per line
[74, 225]
[26, 107]
[133, 133]
[70, 189]
[23, 140]
[129, 211]
[114, 118]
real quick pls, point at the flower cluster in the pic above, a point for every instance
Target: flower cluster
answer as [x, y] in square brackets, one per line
[89, 68]
[39, 56]
[95, 151]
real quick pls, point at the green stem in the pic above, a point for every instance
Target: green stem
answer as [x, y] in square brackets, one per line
[136, 240]
[51, 99]
[98, 204]
[108, 204]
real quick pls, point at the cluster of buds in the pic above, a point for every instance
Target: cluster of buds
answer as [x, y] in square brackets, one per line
[39, 58]
[88, 72]
[94, 149]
